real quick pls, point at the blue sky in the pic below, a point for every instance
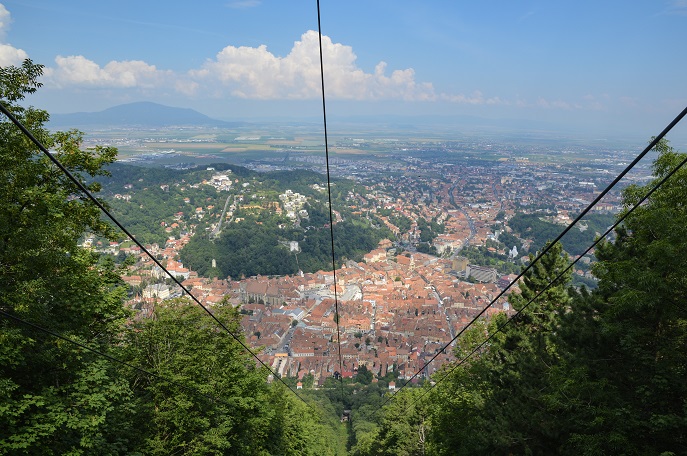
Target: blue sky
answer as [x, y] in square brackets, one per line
[593, 65]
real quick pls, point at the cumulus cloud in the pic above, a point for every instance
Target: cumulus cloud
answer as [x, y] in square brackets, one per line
[186, 87]
[9, 55]
[253, 73]
[256, 73]
[77, 70]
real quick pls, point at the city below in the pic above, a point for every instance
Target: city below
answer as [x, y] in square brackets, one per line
[457, 214]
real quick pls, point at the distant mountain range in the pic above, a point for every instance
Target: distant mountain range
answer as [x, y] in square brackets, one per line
[139, 114]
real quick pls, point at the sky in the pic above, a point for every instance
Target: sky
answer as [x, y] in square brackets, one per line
[593, 66]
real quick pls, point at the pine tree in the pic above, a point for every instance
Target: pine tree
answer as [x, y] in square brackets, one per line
[499, 397]
[626, 342]
[518, 363]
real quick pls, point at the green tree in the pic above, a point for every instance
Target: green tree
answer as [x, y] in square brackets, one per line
[224, 410]
[364, 376]
[226, 406]
[625, 342]
[499, 397]
[403, 426]
[55, 398]
[297, 429]
[587, 373]
[455, 406]
[517, 364]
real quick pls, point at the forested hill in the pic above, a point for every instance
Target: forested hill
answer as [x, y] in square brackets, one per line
[143, 176]
[575, 242]
[263, 214]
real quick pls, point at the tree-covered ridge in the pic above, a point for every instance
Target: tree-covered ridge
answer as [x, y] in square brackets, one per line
[56, 398]
[577, 372]
[257, 246]
[539, 230]
[149, 200]
[256, 231]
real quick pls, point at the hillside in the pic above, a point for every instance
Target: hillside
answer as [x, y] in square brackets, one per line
[263, 213]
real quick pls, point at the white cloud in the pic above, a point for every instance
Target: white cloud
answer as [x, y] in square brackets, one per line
[252, 73]
[543, 103]
[593, 103]
[257, 73]
[186, 87]
[554, 104]
[9, 55]
[475, 99]
[561, 104]
[628, 102]
[77, 70]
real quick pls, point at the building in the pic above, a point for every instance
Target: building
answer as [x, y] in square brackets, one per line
[459, 263]
[481, 273]
[157, 290]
